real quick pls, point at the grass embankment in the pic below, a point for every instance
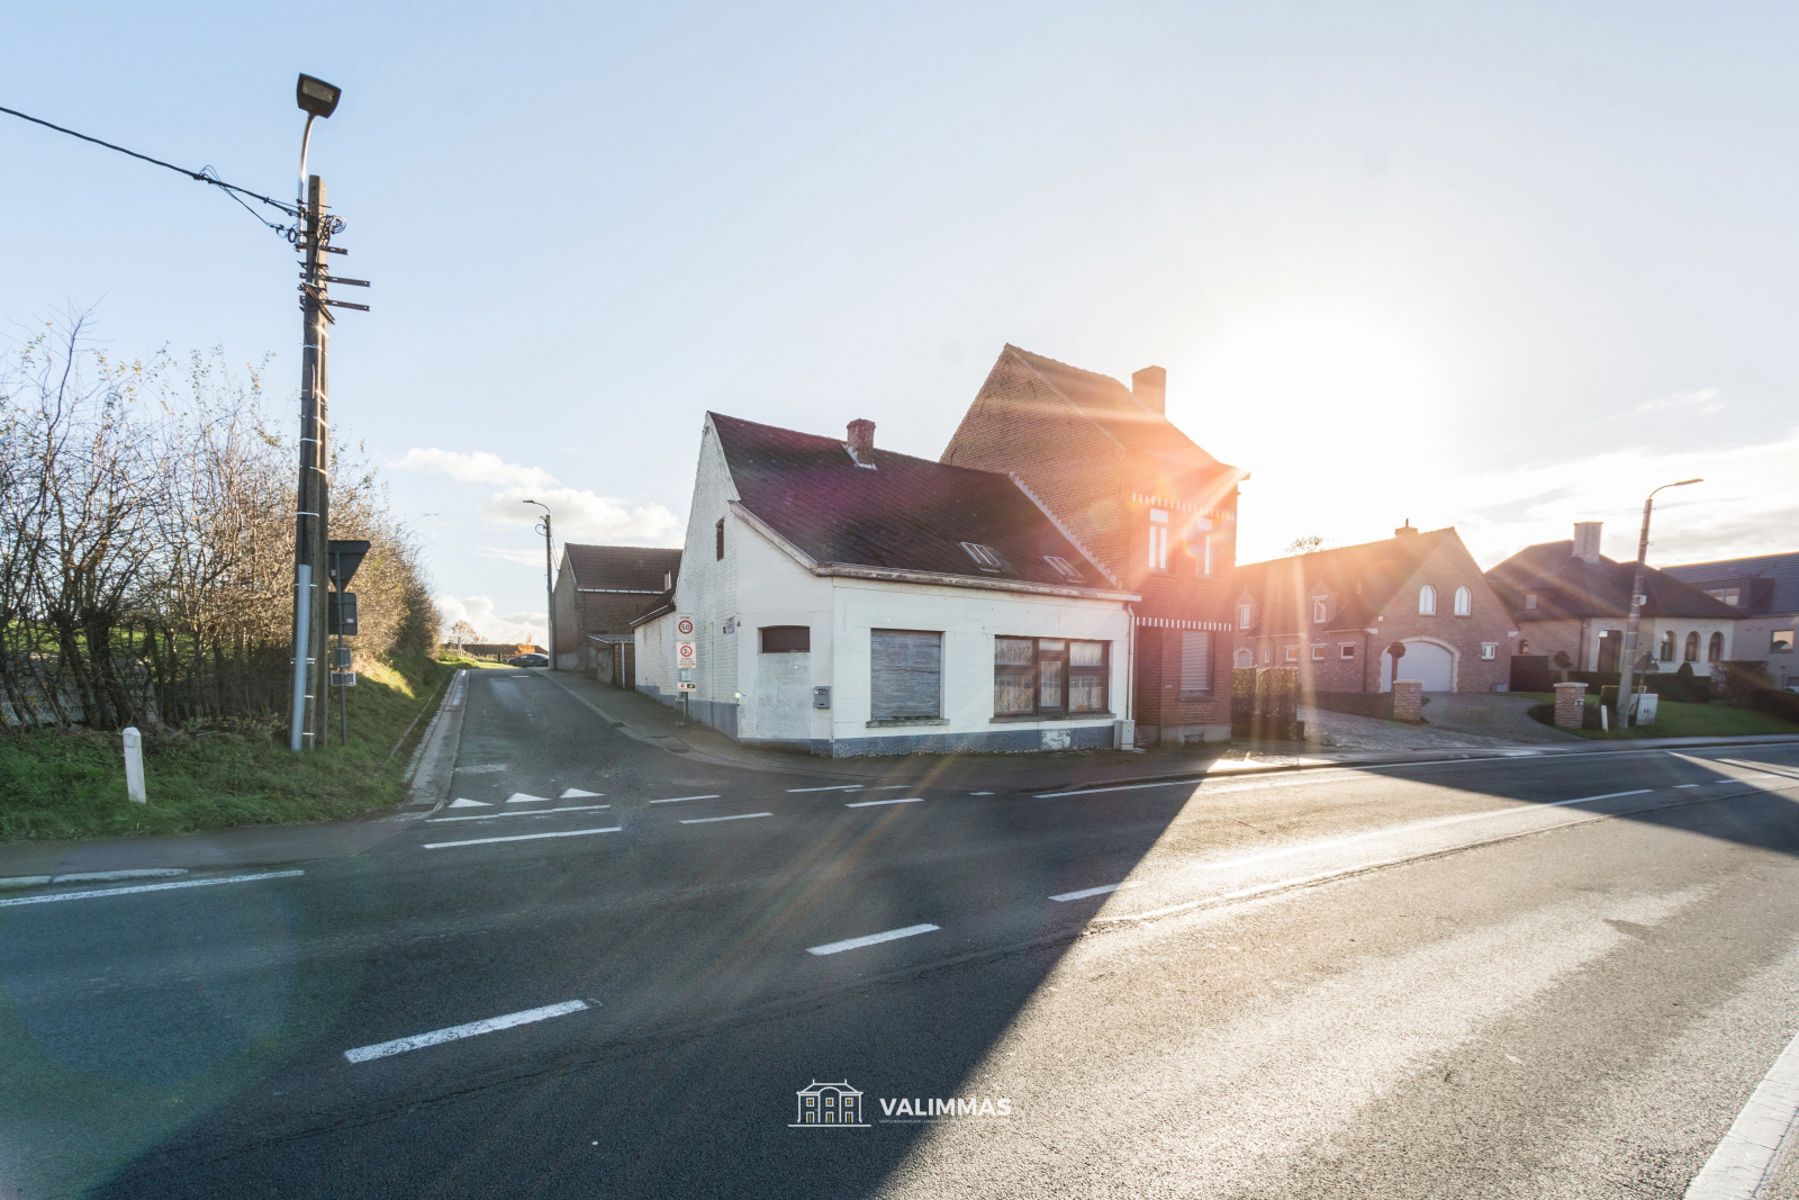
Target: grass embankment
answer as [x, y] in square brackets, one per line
[1676, 718]
[67, 783]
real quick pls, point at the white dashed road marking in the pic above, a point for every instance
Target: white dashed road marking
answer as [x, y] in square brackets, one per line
[679, 799]
[1744, 1159]
[872, 939]
[732, 817]
[540, 812]
[437, 1037]
[875, 803]
[1065, 897]
[522, 837]
[53, 897]
[835, 787]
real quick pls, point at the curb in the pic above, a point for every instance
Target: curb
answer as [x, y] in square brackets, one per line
[431, 770]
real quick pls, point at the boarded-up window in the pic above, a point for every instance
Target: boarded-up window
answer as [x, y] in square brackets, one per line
[1196, 661]
[906, 674]
[786, 639]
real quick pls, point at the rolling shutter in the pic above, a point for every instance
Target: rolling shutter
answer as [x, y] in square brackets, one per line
[1196, 662]
[906, 674]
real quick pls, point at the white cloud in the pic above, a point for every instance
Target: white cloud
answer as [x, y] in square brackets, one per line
[1705, 400]
[580, 513]
[472, 466]
[491, 625]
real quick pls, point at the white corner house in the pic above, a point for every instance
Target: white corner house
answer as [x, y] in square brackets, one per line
[850, 601]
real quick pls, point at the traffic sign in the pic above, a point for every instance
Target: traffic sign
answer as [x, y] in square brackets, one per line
[684, 627]
[686, 655]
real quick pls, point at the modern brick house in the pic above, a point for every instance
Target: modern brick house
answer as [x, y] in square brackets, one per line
[1764, 593]
[600, 590]
[1155, 510]
[1570, 599]
[1334, 613]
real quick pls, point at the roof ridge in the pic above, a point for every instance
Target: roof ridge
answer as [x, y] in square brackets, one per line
[825, 437]
[1315, 554]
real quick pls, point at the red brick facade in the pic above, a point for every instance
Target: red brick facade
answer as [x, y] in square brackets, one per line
[1153, 508]
[1371, 597]
[602, 589]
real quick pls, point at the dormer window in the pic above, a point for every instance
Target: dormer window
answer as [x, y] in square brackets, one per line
[1062, 567]
[984, 556]
[1320, 610]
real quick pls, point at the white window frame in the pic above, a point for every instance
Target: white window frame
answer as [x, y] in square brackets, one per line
[1345, 651]
[1246, 614]
[1290, 653]
[1489, 651]
[1464, 602]
[1427, 601]
[1158, 539]
[1062, 566]
[1317, 651]
[984, 556]
[1320, 610]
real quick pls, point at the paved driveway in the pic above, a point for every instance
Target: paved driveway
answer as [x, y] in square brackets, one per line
[1456, 720]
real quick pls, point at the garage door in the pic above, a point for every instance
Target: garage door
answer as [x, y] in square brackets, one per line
[1424, 661]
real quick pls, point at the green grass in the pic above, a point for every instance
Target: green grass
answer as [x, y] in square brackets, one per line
[57, 783]
[1676, 718]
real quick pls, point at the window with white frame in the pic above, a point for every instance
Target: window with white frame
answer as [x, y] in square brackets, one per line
[1267, 655]
[1346, 650]
[1196, 661]
[1318, 652]
[1062, 567]
[1196, 534]
[1158, 539]
[1320, 610]
[1464, 602]
[1489, 651]
[1246, 612]
[1427, 601]
[1290, 654]
[1530, 601]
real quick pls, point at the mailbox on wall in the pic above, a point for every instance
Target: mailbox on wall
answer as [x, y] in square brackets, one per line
[821, 697]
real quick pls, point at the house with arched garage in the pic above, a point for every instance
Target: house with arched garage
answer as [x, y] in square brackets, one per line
[1334, 614]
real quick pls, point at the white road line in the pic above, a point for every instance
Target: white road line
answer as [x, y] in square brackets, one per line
[1684, 786]
[147, 887]
[980, 793]
[540, 812]
[437, 1037]
[893, 787]
[872, 939]
[732, 817]
[678, 799]
[1745, 1158]
[1065, 897]
[522, 837]
[835, 787]
[1122, 787]
[895, 800]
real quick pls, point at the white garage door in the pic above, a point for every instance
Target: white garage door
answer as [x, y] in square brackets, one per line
[1425, 661]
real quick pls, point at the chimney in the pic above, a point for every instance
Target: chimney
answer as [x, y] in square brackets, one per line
[862, 441]
[1586, 540]
[1150, 387]
[1405, 530]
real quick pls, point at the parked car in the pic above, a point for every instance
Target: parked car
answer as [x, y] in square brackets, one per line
[528, 660]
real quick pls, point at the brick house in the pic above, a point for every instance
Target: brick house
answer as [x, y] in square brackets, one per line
[1334, 613]
[1151, 507]
[600, 590]
[1571, 599]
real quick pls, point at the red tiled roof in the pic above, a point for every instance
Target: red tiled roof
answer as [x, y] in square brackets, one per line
[1360, 580]
[1110, 405]
[904, 514]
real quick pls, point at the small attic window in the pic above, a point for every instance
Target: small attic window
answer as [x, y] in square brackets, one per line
[1062, 567]
[984, 556]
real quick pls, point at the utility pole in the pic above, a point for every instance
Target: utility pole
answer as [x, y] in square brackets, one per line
[1628, 664]
[311, 516]
[549, 585]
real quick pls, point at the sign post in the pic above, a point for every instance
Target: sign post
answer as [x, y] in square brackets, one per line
[686, 658]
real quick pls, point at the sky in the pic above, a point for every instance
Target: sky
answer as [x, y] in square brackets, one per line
[1502, 267]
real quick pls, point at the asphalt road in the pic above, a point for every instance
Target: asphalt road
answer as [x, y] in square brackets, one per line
[1533, 977]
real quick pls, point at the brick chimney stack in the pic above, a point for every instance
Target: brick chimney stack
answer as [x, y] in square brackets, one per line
[1586, 540]
[862, 441]
[1150, 387]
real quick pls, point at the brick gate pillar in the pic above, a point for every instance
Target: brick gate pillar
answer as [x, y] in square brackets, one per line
[1570, 705]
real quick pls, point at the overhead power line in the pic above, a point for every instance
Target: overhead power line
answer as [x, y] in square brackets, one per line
[203, 175]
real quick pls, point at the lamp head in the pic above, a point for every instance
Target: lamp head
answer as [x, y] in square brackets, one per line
[317, 97]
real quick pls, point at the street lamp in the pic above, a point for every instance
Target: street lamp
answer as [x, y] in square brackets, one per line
[316, 99]
[1627, 668]
[549, 588]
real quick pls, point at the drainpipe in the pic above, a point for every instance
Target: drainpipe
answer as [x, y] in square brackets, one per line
[1130, 664]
